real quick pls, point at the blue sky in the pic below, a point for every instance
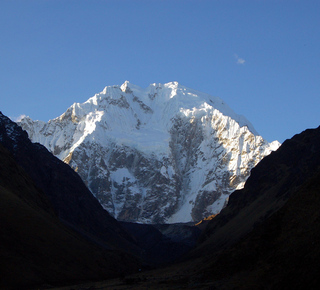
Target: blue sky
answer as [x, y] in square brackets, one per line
[261, 57]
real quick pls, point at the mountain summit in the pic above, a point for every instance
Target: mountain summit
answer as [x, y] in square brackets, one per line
[162, 154]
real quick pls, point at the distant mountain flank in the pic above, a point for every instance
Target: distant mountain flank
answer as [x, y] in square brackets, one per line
[163, 154]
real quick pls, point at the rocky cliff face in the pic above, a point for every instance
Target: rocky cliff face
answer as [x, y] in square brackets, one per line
[163, 154]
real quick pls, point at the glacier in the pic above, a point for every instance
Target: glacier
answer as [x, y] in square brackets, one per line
[161, 154]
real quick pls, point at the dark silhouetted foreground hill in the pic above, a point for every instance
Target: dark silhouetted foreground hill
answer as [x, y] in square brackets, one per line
[36, 248]
[72, 201]
[268, 235]
[52, 229]
[283, 252]
[271, 184]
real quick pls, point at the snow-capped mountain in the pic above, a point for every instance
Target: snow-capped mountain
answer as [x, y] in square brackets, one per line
[163, 154]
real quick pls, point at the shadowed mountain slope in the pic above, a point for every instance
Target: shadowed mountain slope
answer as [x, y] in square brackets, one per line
[268, 235]
[35, 247]
[281, 253]
[272, 182]
[71, 200]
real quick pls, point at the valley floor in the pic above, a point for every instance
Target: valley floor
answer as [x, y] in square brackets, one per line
[167, 278]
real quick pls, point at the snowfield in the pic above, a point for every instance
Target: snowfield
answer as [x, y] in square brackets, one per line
[161, 154]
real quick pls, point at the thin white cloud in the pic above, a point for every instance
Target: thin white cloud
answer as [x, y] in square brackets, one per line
[240, 60]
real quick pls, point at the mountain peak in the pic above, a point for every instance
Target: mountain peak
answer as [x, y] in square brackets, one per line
[165, 153]
[173, 84]
[125, 87]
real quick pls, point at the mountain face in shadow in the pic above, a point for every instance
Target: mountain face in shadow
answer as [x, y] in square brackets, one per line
[283, 252]
[70, 198]
[271, 184]
[36, 248]
[268, 235]
[52, 229]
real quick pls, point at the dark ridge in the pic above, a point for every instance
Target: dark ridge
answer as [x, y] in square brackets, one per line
[271, 183]
[72, 201]
[36, 248]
